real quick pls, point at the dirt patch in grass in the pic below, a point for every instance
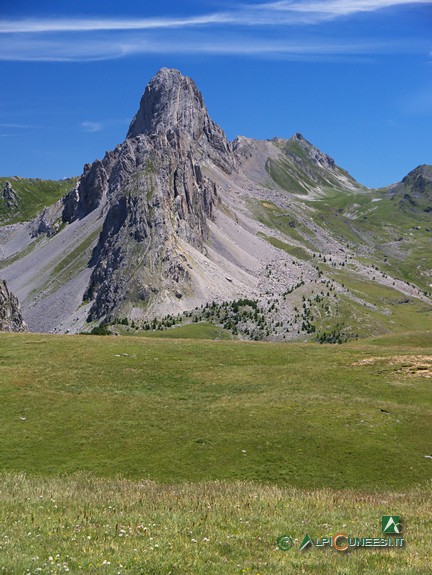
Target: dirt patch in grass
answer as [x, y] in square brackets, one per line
[414, 365]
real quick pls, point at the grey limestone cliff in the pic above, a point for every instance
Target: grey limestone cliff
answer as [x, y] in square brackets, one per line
[9, 196]
[10, 313]
[154, 190]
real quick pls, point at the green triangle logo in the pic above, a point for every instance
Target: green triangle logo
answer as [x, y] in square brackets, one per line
[306, 542]
[391, 524]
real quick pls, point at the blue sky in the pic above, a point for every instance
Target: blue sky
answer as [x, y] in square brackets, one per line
[353, 76]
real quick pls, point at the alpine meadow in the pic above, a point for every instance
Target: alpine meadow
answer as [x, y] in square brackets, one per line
[215, 351]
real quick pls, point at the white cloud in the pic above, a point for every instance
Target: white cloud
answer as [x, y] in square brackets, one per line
[283, 12]
[20, 126]
[107, 24]
[230, 32]
[91, 126]
[338, 7]
[61, 50]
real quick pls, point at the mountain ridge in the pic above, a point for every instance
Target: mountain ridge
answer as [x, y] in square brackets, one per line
[176, 217]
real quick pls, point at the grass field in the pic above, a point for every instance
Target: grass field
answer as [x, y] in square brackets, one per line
[194, 410]
[82, 525]
[213, 449]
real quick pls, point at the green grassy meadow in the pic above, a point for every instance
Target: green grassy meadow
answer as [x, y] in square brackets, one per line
[34, 195]
[139, 456]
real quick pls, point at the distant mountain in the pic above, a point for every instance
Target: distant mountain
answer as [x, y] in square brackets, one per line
[266, 239]
[415, 190]
[294, 165]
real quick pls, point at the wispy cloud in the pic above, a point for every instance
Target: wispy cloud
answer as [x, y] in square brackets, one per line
[281, 12]
[39, 49]
[228, 44]
[233, 31]
[106, 24]
[19, 126]
[91, 126]
[418, 103]
[98, 126]
[336, 8]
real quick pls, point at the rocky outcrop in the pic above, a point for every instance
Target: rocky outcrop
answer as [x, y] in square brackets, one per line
[9, 196]
[155, 191]
[88, 193]
[10, 313]
[48, 221]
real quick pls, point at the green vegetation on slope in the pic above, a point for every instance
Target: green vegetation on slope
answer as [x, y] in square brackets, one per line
[200, 330]
[388, 309]
[86, 526]
[287, 176]
[295, 251]
[33, 196]
[242, 318]
[299, 172]
[309, 415]
[399, 238]
[274, 217]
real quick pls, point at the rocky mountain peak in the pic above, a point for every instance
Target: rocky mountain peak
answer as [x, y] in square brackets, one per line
[172, 102]
[314, 154]
[298, 136]
[155, 191]
[422, 175]
[172, 127]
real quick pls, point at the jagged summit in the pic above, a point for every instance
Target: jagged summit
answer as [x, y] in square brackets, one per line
[173, 107]
[172, 102]
[156, 194]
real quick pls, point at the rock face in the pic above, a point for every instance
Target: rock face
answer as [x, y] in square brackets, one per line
[9, 196]
[10, 313]
[47, 222]
[155, 192]
[171, 106]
